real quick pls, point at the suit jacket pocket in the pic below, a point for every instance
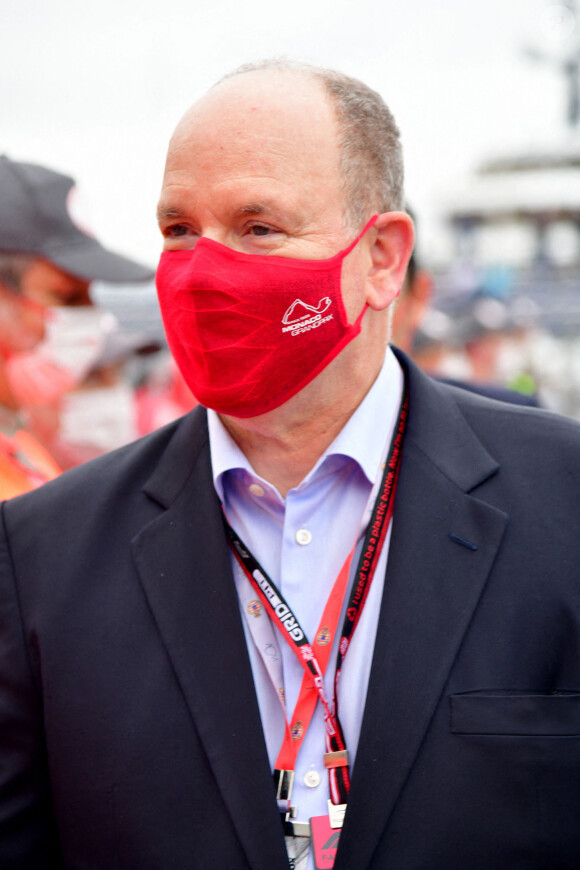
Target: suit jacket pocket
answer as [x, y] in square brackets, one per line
[519, 714]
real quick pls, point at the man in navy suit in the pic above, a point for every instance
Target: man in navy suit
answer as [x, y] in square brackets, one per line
[172, 615]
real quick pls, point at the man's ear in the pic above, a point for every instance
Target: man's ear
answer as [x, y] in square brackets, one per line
[390, 254]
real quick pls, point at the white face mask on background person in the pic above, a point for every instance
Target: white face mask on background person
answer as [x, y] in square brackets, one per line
[74, 340]
[99, 417]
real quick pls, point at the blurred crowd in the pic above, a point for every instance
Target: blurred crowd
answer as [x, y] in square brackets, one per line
[492, 341]
[67, 393]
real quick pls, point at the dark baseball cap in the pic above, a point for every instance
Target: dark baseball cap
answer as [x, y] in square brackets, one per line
[35, 218]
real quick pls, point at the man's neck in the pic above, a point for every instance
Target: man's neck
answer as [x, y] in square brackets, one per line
[285, 444]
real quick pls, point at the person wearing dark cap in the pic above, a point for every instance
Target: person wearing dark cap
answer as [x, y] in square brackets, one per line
[51, 336]
[37, 218]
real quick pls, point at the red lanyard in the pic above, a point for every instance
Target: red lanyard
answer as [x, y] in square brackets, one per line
[314, 662]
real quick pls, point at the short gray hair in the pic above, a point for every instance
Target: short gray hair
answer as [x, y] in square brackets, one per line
[371, 160]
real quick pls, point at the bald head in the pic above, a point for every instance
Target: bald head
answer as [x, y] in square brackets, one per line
[261, 143]
[366, 143]
[259, 118]
[283, 92]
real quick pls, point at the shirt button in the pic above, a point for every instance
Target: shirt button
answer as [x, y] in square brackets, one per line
[256, 489]
[303, 537]
[312, 778]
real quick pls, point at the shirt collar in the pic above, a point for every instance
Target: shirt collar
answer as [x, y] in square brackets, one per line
[361, 439]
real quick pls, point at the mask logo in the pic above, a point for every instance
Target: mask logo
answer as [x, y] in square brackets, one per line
[324, 303]
[301, 317]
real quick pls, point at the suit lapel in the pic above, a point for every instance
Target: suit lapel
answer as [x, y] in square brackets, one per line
[184, 565]
[433, 585]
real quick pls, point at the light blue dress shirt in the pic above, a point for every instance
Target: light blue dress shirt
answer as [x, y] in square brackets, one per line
[302, 542]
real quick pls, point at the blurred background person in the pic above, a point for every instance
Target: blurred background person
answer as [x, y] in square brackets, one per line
[162, 395]
[412, 304]
[462, 347]
[60, 355]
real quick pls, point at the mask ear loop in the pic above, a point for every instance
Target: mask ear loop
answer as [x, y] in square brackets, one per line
[367, 227]
[357, 323]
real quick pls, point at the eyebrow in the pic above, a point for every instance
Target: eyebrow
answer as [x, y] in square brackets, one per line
[252, 208]
[171, 212]
[164, 212]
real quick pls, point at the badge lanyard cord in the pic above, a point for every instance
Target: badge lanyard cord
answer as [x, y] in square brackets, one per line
[315, 664]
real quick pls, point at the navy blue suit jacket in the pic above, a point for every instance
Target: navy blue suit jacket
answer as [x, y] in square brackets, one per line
[130, 735]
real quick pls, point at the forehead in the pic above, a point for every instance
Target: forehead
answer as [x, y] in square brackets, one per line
[274, 131]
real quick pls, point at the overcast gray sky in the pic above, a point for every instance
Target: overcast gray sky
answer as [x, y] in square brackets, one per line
[95, 89]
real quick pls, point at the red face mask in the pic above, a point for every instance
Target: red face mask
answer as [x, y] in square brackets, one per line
[249, 331]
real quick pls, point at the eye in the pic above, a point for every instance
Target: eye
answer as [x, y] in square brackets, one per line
[175, 231]
[261, 238]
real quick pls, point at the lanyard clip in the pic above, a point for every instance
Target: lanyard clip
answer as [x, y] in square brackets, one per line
[336, 759]
[283, 782]
[336, 814]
